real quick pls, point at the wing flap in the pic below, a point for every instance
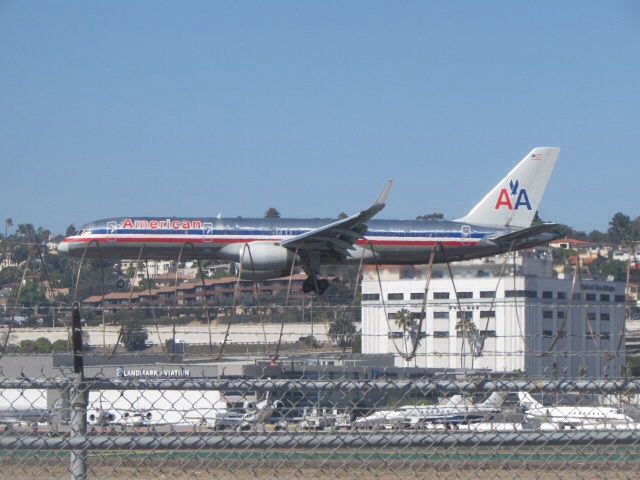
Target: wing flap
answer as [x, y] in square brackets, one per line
[338, 237]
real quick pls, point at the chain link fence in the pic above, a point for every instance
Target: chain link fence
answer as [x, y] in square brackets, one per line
[98, 410]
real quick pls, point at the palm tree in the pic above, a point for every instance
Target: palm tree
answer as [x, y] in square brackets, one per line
[406, 321]
[7, 223]
[466, 328]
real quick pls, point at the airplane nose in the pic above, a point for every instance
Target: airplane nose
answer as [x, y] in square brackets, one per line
[63, 247]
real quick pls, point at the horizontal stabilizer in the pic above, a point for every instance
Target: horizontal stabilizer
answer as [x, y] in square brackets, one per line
[531, 233]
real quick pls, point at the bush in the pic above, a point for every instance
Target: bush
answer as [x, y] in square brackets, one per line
[60, 346]
[42, 345]
[27, 346]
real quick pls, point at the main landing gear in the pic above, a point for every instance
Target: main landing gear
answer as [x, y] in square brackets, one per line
[309, 285]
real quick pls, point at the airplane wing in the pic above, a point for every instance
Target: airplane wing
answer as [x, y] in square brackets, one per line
[527, 234]
[338, 237]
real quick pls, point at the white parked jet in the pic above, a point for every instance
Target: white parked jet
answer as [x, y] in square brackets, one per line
[571, 415]
[454, 411]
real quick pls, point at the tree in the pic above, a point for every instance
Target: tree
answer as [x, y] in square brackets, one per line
[613, 268]
[405, 320]
[134, 336]
[596, 236]
[271, 213]
[71, 230]
[431, 216]
[620, 228]
[342, 216]
[465, 324]
[10, 275]
[342, 331]
[356, 345]
[26, 232]
[567, 231]
[8, 223]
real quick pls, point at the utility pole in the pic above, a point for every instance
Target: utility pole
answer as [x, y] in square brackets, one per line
[79, 400]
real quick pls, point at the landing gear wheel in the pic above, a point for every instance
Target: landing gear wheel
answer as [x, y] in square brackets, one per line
[309, 285]
[322, 286]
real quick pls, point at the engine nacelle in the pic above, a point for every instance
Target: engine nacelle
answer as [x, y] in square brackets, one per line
[262, 261]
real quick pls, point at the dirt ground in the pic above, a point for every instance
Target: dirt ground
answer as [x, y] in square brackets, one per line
[130, 468]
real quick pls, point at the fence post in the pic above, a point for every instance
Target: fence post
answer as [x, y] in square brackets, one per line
[79, 400]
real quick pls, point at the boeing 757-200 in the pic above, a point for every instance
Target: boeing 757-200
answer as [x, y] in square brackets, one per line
[267, 247]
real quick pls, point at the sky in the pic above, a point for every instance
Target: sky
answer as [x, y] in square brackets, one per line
[198, 108]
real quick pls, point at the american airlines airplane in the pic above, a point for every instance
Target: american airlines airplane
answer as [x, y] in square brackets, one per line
[267, 247]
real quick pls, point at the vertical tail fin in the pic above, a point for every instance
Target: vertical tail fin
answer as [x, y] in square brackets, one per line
[516, 198]
[496, 399]
[527, 401]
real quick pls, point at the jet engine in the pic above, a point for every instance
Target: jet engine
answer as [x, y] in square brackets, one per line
[269, 261]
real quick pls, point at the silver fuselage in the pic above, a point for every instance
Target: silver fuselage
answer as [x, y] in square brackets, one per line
[385, 242]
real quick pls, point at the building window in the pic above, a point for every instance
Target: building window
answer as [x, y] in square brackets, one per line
[468, 314]
[487, 314]
[619, 298]
[562, 295]
[488, 334]
[417, 296]
[395, 296]
[487, 294]
[604, 336]
[547, 294]
[465, 294]
[591, 316]
[605, 298]
[520, 293]
[417, 315]
[577, 296]
[370, 296]
[590, 297]
[440, 314]
[560, 314]
[440, 334]
[561, 334]
[605, 316]
[547, 314]
[440, 295]
[547, 333]
[396, 335]
[591, 335]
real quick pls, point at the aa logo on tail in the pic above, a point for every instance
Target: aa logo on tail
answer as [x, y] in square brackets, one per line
[514, 192]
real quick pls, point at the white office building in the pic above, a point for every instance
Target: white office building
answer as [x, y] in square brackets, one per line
[525, 322]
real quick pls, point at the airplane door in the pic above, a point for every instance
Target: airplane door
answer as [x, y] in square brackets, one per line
[112, 229]
[207, 232]
[466, 231]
